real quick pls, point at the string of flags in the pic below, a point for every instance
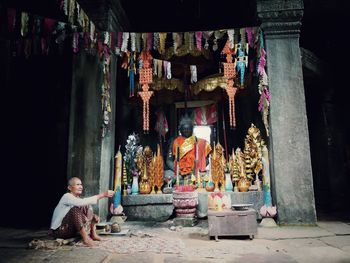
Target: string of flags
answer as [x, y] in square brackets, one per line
[37, 34]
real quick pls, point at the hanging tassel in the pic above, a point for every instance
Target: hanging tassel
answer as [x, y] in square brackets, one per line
[231, 92]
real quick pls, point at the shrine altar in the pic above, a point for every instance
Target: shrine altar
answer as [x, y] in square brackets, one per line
[159, 207]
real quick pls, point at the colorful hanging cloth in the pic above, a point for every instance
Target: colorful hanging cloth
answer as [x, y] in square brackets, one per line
[161, 126]
[205, 115]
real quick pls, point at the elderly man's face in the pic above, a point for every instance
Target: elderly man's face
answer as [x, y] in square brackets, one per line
[76, 187]
[186, 130]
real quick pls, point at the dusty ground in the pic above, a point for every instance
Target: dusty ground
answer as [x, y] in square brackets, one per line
[159, 242]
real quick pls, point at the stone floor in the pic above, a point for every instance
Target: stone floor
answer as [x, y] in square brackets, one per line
[329, 241]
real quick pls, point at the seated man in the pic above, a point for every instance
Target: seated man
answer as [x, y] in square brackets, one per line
[190, 151]
[74, 215]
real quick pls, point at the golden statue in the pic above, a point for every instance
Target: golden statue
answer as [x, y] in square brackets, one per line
[218, 164]
[253, 154]
[234, 170]
[143, 163]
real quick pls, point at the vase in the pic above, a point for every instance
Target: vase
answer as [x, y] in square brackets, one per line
[128, 189]
[135, 185]
[228, 183]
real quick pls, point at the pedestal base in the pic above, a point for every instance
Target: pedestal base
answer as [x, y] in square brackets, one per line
[267, 222]
[185, 222]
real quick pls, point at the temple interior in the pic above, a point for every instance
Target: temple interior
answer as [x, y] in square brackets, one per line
[37, 100]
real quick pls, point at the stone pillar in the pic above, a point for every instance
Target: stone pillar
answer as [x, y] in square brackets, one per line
[91, 157]
[292, 184]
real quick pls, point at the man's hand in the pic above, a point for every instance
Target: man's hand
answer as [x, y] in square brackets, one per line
[109, 193]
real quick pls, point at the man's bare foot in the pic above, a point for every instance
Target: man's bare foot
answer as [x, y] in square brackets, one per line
[89, 242]
[96, 238]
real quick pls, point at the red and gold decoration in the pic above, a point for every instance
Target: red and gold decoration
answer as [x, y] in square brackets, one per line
[145, 79]
[230, 74]
[158, 164]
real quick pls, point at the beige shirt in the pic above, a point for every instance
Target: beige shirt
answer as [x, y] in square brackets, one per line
[68, 201]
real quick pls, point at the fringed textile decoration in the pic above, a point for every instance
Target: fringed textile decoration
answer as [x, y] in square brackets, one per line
[264, 101]
[189, 42]
[65, 7]
[231, 37]
[250, 36]
[244, 44]
[149, 41]
[168, 71]
[92, 34]
[75, 42]
[133, 42]
[206, 35]
[193, 69]
[119, 42]
[144, 41]
[159, 69]
[24, 24]
[71, 11]
[162, 38]
[124, 47]
[199, 35]
[155, 65]
[161, 126]
[155, 41]
[138, 42]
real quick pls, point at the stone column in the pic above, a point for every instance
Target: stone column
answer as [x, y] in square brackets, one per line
[91, 157]
[292, 184]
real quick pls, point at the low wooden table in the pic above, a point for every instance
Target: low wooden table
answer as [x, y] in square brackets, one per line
[232, 223]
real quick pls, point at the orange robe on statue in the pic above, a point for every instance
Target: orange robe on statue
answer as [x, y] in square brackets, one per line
[187, 155]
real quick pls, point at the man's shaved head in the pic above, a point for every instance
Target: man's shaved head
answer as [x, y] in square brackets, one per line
[72, 181]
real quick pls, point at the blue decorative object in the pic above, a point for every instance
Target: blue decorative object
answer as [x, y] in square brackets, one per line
[242, 63]
[135, 185]
[117, 197]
